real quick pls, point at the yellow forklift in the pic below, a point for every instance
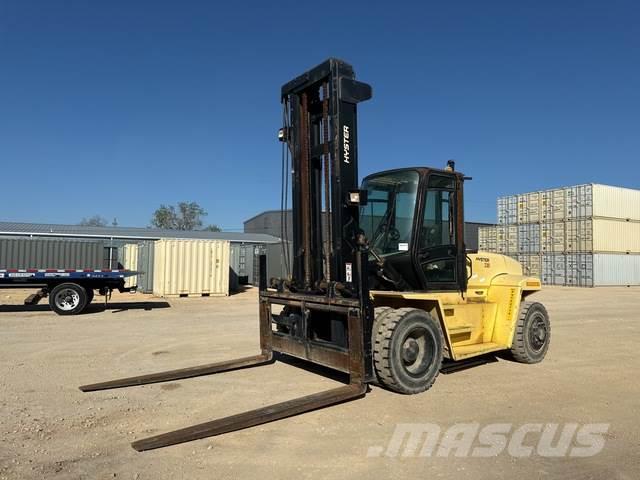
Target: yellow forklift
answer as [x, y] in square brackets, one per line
[381, 286]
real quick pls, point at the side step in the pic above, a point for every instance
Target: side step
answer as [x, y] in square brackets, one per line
[452, 367]
[253, 417]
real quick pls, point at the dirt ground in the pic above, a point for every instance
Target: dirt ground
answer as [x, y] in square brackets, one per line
[49, 429]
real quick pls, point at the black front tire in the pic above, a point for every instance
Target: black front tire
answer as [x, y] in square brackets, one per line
[407, 350]
[533, 333]
[68, 299]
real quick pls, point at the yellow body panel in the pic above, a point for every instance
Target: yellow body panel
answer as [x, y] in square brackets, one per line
[484, 318]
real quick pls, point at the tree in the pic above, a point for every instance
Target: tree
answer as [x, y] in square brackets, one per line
[184, 216]
[95, 221]
[212, 228]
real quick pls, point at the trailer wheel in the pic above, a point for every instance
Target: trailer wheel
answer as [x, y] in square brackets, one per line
[408, 350]
[68, 299]
[533, 333]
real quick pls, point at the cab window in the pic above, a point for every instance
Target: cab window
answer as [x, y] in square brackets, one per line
[438, 233]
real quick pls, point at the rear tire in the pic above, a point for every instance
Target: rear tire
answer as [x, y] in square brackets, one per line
[90, 295]
[407, 350]
[533, 333]
[68, 299]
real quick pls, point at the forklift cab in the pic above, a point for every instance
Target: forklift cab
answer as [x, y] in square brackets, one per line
[413, 221]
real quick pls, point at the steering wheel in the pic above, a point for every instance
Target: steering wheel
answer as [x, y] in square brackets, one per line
[394, 234]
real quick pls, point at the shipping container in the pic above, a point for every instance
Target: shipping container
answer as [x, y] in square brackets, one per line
[191, 267]
[603, 235]
[591, 269]
[529, 238]
[487, 239]
[579, 269]
[552, 205]
[616, 202]
[471, 235]
[529, 207]
[554, 269]
[552, 237]
[579, 202]
[531, 265]
[508, 210]
[616, 270]
[570, 203]
[507, 239]
[52, 253]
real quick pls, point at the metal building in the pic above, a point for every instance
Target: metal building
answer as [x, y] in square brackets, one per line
[115, 239]
[56, 253]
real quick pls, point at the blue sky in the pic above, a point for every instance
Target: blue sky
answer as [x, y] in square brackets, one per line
[113, 108]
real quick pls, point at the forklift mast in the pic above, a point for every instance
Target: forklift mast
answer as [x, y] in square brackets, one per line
[321, 133]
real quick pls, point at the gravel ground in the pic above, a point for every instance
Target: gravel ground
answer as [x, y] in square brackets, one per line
[49, 429]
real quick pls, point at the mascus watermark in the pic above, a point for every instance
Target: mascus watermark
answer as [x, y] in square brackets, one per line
[474, 440]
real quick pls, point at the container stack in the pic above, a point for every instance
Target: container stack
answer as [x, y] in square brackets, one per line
[586, 235]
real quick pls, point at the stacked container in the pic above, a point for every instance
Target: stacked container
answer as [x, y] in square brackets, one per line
[585, 235]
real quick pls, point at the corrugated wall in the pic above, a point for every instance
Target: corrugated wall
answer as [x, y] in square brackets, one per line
[614, 269]
[616, 202]
[191, 267]
[50, 253]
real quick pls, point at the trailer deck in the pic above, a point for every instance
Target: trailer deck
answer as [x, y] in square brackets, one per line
[69, 290]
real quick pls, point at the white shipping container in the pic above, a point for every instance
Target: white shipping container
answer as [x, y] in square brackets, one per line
[616, 202]
[508, 210]
[579, 202]
[191, 267]
[554, 269]
[531, 265]
[507, 239]
[487, 239]
[529, 238]
[603, 235]
[552, 237]
[616, 270]
[579, 271]
[529, 207]
[552, 205]
[570, 203]
[591, 269]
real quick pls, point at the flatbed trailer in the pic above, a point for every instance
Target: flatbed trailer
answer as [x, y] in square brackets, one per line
[69, 290]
